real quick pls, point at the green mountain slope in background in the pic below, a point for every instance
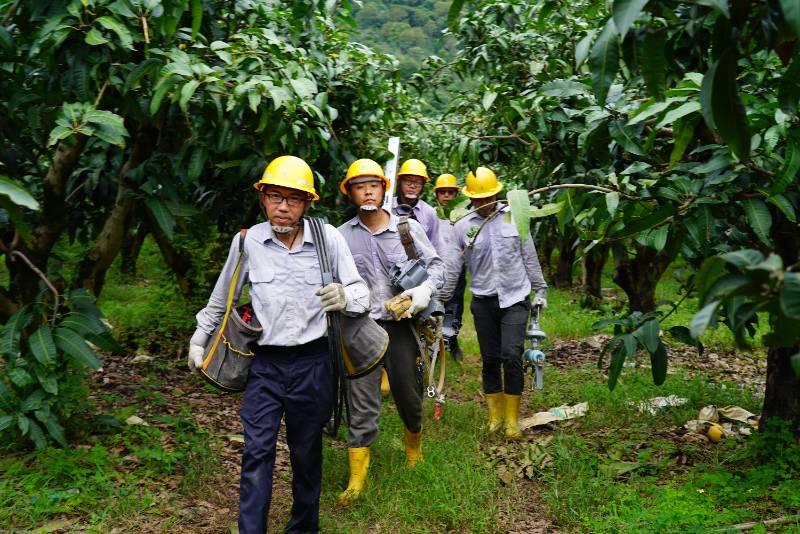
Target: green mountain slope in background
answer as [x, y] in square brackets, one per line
[410, 30]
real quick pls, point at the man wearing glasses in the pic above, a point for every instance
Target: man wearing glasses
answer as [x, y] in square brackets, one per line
[290, 375]
[411, 180]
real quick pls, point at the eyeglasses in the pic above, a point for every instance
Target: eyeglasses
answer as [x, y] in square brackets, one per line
[277, 198]
[413, 183]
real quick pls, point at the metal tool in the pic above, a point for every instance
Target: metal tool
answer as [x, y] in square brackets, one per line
[533, 357]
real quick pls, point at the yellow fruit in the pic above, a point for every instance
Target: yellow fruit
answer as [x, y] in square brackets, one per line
[715, 432]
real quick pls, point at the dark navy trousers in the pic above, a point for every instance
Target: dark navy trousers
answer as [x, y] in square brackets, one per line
[294, 383]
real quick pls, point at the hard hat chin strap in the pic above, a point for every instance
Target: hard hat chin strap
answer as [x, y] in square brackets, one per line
[282, 229]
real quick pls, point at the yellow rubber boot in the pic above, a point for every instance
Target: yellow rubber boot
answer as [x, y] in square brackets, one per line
[413, 448]
[359, 462]
[512, 416]
[385, 389]
[496, 404]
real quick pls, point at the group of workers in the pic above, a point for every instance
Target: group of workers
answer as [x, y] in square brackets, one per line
[290, 376]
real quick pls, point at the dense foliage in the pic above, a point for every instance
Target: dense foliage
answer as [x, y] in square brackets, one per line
[133, 117]
[127, 118]
[687, 112]
[410, 30]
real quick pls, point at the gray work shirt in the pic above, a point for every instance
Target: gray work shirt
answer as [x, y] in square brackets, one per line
[282, 286]
[425, 214]
[376, 254]
[499, 263]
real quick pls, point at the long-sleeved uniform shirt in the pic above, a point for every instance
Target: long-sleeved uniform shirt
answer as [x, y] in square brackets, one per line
[283, 285]
[499, 263]
[426, 215]
[375, 254]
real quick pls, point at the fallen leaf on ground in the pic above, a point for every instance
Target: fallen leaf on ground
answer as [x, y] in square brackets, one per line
[136, 420]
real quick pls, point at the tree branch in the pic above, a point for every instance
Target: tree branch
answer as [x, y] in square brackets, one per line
[41, 275]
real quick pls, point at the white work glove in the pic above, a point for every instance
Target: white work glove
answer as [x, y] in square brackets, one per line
[540, 301]
[195, 360]
[420, 298]
[333, 297]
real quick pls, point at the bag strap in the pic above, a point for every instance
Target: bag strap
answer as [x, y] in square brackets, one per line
[236, 272]
[404, 228]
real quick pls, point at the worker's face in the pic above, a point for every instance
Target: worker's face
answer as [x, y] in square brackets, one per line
[284, 206]
[368, 194]
[445, 195]
[411, 186]
[484, 206]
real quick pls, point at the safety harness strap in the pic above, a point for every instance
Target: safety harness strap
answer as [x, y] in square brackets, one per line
[406, 239]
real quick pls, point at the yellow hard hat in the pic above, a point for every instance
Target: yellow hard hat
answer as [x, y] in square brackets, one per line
[291, 172]
[362, 168]
[414, 167]
[482, 184]
[446, 181]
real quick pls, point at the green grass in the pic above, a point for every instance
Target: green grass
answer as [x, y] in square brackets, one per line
[128, 303]
[111, 480]
[453, 490]
[723, 487]
[724, 484]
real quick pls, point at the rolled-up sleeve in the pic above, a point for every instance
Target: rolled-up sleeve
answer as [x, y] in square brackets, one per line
[533, 268]
[355, 289]
[427, 253]
[210, 317]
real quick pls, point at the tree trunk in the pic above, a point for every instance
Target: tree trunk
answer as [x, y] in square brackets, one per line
[593, 263]
[782, 395]
[38, 248]
[638, 276]
[92, 269]
[8, 306]
[131, 247]
[566, 258]
[179, 262]
[544, 249]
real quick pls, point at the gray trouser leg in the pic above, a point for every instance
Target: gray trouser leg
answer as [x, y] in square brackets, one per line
[365, 408]
[400, 362]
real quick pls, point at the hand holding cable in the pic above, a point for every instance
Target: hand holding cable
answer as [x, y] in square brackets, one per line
[333, 297]
[540, 301]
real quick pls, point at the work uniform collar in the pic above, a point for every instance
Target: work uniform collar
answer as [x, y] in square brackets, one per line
[392, 227]
[480, 217]
[416, 206]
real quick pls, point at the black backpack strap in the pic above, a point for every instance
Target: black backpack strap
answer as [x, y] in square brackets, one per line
[406, 239]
